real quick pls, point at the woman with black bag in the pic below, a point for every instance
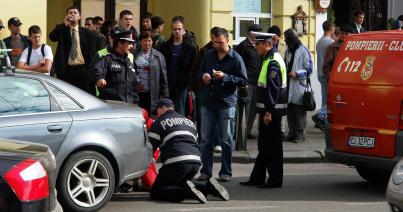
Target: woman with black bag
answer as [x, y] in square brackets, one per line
[299, 67]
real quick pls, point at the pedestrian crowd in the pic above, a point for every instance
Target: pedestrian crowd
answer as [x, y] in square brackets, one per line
[113, 61]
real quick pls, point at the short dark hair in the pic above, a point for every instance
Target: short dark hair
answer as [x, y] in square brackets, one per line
[327, 25]
[97, 18]
[156, 21]
[255, 28]
[106, 25]
[125, 12]
[147, 15]
[400, 18]
[220, 31]
[359, 12]
[178, 19]
[72, 8]
[145, 34]
[275, 30]
[89, 18]
[34, 29]
[212, 30]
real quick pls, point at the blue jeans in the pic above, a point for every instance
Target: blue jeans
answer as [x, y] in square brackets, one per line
[322, 114]
[225, 119]
[179, 100]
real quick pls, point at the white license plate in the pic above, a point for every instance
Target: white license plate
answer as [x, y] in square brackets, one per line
[365, 142]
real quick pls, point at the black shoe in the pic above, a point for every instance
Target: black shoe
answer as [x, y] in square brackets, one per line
[299, 140]
[250, 183]
[283, 136]
[270, 185]
[250, 136]
[217, 189]
[196, 194]
[289, 138]
[125, 188]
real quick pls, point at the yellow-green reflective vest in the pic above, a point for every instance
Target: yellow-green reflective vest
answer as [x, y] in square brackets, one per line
[105, 51]
[262, 81]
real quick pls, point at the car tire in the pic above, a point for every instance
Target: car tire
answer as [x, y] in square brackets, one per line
[86, 182]
[373, 175]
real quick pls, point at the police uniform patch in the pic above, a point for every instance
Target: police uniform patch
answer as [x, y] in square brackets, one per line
[273, 74]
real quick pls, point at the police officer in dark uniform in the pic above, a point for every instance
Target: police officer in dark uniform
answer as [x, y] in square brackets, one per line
[271, 105]
[176, 136]
[115, 75]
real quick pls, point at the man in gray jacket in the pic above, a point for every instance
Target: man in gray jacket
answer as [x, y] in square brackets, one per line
[299, 67]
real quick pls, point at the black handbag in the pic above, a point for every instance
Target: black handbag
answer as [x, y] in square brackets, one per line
[308, 100]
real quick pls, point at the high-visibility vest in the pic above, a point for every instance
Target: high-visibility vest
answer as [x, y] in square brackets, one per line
[262, 81]
[105, 51]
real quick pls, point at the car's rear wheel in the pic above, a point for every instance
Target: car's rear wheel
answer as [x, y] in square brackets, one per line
[86, 182]
[373, 175]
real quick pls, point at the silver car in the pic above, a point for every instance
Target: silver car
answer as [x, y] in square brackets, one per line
[394, 192]
[98, 145]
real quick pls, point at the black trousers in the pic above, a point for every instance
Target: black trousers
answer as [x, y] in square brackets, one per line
[77, 76]
[145, 101]
[169, 185]
[270, 156]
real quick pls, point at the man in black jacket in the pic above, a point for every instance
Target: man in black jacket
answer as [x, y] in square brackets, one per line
[16, 41]
[252, 63]
[176, 136]
[358, 20]
[179, 53]
[74, 51]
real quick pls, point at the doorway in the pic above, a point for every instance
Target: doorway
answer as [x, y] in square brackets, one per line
[375, 12]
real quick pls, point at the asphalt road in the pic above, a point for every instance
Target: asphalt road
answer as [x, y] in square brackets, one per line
[307, 187]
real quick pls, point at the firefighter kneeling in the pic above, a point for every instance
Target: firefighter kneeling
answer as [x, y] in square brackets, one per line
[176, 136]
[271, 104]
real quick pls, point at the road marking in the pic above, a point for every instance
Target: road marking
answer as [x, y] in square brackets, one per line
[223, 208]
[362, 203]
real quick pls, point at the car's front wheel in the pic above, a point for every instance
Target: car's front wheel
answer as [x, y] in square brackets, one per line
[86, 181]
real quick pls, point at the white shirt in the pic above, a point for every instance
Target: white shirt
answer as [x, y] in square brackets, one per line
[36, 55]
[358, 26]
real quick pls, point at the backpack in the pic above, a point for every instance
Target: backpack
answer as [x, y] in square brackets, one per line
[30, 52]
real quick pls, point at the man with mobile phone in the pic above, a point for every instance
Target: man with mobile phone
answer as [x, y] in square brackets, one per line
[222, 72]
[74, 51]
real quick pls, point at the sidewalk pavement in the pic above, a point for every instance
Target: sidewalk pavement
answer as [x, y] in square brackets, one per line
[309, 151]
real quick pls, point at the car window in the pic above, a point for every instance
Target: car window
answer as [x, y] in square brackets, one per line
[65, 101]
[22, 96]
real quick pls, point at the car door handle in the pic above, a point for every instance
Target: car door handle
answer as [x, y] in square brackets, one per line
[55, 128]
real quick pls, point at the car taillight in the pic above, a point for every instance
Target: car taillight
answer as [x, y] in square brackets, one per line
[28, 180]
[401, 117]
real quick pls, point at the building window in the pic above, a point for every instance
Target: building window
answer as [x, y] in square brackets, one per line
[247, 12]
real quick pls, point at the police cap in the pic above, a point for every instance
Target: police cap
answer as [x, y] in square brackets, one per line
[262, 36]
[163, 102]
[120, 34]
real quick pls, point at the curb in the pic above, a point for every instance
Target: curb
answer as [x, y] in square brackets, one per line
[297, 156]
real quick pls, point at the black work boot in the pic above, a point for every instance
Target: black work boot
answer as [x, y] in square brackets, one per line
[217, 190]
[194, 193]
